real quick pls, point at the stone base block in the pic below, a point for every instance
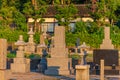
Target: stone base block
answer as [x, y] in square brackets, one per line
[82, 72]
[3, 74]
[106, 72]
[56, 71]
[58, 66]
[19, 60]
[107, 44]
[21, 68]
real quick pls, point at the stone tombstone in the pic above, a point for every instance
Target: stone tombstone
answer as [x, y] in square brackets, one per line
[107, 53]
[59, 63]
[20, 64]
[30, 46]
[3, 52]
[59, 49]
[107, 43]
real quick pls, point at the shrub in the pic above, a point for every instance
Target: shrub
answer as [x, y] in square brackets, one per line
[74, 56]
[32, 56]
[11, 55]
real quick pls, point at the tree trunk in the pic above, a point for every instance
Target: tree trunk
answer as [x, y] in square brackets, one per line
[62, 1]
[52, 2]
[35, 25]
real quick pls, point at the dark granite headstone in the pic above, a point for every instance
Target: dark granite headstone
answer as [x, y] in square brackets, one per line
[110, 57]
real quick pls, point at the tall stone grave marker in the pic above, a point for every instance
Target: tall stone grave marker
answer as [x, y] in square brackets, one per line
[107, 53]
[20, 64]
[59, 63]
[30, 46]
[107, 43]
[3, 52]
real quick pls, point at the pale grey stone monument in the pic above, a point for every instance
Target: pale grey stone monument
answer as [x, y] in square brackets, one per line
[107, 43]
[21, 64]
[59, 63]
[30, 46]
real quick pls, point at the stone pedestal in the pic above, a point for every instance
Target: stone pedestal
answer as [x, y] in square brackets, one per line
[20, 64]
[59, 63]
[3, 52]
[82, 72]
[58, 66]
[3, 74]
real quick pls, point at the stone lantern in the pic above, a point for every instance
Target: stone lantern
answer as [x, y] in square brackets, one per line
[20, 64]
[83, 50]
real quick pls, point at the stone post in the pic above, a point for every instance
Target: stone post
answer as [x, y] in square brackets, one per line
[3, 52]
[82, 72]
[101, 69]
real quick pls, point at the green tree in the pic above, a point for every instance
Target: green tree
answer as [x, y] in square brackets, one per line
[65, 14]
[35, 11]
[105, 9]
[6, 14]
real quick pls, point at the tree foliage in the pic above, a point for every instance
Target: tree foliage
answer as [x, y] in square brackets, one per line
[65, 14]
[35, 11]
[105, 9]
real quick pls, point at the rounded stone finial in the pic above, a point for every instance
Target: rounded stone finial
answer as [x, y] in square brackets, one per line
[21, 37]
[31, 32]
[20, 41]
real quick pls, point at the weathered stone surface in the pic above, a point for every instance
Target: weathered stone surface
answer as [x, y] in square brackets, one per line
[59, 49]
[58, 66]
[20, 64]
[59, 63]
[3, 53]
[82, 72]
[4, 73]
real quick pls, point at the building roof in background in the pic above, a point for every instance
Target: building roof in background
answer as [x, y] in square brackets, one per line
[83, 11]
